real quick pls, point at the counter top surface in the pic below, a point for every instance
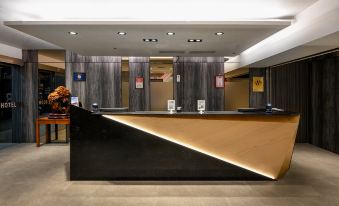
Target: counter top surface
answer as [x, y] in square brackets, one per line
[195, 113]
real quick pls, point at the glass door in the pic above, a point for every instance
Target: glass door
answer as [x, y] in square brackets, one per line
[5, 104]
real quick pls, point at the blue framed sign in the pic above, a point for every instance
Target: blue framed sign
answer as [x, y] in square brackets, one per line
[79, 76]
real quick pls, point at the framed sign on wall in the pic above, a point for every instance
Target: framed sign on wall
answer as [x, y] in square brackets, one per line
[139, 82]
[79, 76]
[258, 84]
[219, 81]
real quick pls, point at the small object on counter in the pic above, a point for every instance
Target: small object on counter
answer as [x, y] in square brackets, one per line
[178, 109]
[251, 109]
[277, 110]
[268, 108]
[95, 107]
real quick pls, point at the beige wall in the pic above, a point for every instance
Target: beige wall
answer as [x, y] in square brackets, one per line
[125, 94]
[236, 94]
[160, 93]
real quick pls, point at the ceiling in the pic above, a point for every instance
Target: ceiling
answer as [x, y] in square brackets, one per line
[140, 10]
[327, 43]
[101, 38]
[150, 10]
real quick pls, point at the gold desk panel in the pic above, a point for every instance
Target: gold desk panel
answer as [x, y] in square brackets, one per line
[260, 143]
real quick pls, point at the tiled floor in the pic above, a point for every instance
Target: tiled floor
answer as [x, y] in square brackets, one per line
[38, 176]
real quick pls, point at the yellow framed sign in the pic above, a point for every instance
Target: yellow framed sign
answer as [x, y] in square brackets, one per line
[258, 84]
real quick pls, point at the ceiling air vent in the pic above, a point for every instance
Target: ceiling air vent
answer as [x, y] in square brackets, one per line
[172, 52]
[202, 52]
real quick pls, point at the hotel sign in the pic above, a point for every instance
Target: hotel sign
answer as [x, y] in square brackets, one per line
[7, 105]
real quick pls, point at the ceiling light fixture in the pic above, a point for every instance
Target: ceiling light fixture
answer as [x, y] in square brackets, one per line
[122, 33]
[72, 33]
[194, 40]
[170, 33]
[150, 40]
[219, 33]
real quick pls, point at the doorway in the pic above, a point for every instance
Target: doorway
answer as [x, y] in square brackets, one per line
[5, 103]
[161, 82]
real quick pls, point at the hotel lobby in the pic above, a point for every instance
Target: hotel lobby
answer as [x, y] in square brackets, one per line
[169, 102]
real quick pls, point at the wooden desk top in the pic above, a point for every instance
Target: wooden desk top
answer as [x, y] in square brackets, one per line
[46, 120]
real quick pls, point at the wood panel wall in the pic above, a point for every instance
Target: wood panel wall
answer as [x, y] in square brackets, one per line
[324, 124]
[139, 99]
[197, 81]
[25, 93]
[290, 91]
[103, 79]
[310, 87]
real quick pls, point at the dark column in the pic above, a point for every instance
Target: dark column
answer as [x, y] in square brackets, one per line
[25, 91]
[139, 99]
[197, 81]
[103, 79]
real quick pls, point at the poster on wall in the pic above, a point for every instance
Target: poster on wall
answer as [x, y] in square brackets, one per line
[201, 105]
[171, 105]
[258, 84]
[219, 81]
[79, 76]
[139, 82]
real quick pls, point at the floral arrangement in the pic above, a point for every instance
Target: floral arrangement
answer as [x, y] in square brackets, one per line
[59, 100]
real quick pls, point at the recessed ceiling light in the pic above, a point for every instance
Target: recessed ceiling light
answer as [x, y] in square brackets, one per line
[72, 33]
[150, 40]
[194, 40]
[219, 33]
[122, 33]
[170, 33]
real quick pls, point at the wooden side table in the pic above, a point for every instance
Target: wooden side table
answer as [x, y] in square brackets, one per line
[48, 122]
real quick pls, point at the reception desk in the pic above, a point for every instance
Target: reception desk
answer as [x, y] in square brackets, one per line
[181, 146]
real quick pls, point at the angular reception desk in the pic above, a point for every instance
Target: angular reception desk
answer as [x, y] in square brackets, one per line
[181, 146]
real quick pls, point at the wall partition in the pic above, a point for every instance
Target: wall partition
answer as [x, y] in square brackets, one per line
[94, 79]
[194, 79]
[6, 106]
[139, 84]
[309, 87]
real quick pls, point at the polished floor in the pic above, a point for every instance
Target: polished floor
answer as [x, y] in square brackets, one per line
[39, 176]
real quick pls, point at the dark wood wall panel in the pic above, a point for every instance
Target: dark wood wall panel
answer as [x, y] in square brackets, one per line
[290, 91]
[197, 81]
[25, 92]
[178, 87]
[17, 96]
[139, 99]
[310, 87]
[103, 79]
[325, 102]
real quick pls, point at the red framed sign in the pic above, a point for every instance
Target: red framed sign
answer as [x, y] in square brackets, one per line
[219, 81]
[139, 82]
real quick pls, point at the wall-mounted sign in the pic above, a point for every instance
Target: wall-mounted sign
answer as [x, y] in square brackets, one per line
[201, 105]
[178, 77]
[79, 76]
[258, 84]
[219, 81]
[7, 105]
[171, 105]
[139, 82]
